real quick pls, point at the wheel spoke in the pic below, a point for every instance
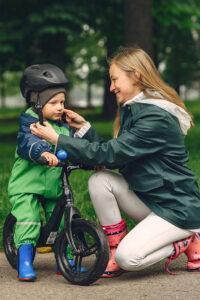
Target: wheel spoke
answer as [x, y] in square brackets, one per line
[77, 264]
[88, 263]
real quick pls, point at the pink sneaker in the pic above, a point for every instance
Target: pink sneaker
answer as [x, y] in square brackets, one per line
[193, 254]
[115, 233]
[179, 247]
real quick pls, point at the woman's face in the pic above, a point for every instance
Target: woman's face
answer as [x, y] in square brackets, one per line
[123, 85]
[53, 109]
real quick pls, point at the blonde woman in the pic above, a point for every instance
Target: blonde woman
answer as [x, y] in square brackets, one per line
[154, 186]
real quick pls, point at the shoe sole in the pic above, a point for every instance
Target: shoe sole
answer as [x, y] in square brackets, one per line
[27, 279]
[194, 270]
[111, 275]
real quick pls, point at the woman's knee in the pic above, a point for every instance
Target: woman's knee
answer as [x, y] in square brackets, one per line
[98, 180]
[129, 262]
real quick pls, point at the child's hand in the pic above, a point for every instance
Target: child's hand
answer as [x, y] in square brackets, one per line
[51, 158]
[73, 119]
[99, 168]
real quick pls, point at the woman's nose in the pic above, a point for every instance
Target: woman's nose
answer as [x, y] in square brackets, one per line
[112, 87]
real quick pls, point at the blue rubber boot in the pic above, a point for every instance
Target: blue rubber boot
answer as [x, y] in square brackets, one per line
[25, 263]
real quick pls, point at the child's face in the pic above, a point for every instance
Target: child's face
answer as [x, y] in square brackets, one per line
[53, 109]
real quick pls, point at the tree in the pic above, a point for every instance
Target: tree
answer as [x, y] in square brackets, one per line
[87, 54]
[40, 31]
[175, 26]
[107, 18]
[139, 24]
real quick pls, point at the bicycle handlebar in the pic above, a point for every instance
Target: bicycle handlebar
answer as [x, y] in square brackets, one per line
[62, 155]
[44, 161]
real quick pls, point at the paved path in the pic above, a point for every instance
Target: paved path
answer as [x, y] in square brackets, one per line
[148, 284]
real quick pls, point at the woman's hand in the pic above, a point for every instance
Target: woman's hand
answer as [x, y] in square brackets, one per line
[45, 132]
[51, 158]
[74, 120]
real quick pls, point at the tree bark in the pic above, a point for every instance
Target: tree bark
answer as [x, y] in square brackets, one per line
[139, 24]
[2, 91]
[89, 92]
[110, 103]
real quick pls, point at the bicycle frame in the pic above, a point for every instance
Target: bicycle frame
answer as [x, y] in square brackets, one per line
[64, 207]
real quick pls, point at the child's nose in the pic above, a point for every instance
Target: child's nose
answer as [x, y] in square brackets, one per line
[60, 106]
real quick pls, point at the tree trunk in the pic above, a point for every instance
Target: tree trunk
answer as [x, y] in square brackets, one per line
[2, 91]
[139, 24]
[109, 104]
[89, 93]
[138, 31]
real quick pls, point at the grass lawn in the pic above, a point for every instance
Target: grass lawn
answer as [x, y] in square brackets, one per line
[8, 130]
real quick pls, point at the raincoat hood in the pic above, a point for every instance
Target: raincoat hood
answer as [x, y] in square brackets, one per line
[183, 117]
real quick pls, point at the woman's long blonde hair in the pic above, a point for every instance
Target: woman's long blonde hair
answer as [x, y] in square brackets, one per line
[136, 59]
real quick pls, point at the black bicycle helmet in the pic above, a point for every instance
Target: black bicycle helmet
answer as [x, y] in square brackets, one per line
[40, 77]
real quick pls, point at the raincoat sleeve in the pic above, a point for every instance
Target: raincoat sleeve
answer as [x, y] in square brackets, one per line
[145, 137]
[30, 146]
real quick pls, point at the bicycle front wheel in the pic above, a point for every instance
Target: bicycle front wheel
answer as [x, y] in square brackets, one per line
[87, 266]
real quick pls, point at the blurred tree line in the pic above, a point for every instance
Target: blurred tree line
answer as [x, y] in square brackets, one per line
[79, 35]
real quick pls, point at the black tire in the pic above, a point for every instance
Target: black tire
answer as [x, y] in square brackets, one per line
[8, 241]
[93, 256]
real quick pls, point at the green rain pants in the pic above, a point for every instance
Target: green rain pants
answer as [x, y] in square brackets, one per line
[27, 210]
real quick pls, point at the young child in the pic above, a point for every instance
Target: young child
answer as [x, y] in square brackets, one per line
[43, 87]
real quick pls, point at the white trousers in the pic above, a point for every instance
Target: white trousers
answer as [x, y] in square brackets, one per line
[151, 240]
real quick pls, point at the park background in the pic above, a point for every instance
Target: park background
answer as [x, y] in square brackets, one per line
[79, 36]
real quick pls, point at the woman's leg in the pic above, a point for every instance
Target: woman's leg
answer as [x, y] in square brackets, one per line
[149, 242]
[109, 193]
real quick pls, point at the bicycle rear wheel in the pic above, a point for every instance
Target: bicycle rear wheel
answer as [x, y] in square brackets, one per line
[87, 266]
[8, 241]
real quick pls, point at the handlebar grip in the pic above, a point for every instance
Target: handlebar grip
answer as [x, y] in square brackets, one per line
[62, 155]
[42, 160]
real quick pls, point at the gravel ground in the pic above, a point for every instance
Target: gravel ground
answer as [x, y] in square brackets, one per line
[151, 283]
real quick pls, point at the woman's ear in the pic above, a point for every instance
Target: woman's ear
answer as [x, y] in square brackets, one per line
[137, 75]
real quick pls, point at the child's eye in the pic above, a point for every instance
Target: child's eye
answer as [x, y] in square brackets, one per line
[51, 102]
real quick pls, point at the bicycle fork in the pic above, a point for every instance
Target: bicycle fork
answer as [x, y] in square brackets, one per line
[70, 213]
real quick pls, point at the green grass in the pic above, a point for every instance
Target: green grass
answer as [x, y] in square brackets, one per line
[78, 179]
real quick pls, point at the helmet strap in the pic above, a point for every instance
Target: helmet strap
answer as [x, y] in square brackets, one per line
[38, 108]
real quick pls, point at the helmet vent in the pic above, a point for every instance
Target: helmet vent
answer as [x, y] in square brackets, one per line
[35, 67]
[47, 74]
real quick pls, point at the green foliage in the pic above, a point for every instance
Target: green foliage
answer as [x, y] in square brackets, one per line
[176, 29]
[77, 36]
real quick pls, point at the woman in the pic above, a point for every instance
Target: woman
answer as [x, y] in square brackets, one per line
[154, 185]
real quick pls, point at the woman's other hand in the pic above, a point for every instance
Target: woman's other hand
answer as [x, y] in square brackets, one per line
[45, 132]
[51, 158]
[74, 120]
